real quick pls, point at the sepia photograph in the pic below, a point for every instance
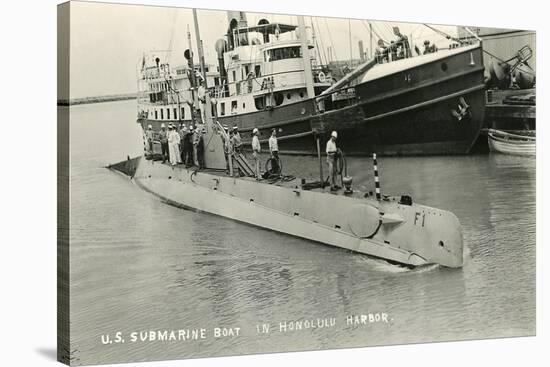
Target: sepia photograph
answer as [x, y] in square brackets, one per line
[235, 182]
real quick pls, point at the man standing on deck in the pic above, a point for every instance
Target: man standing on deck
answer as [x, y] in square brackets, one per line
[200, 148]
[163, 137]
[188, 147]
[331, 160]
[149, 135]
[381, 52]
[196, 138]
[237, 142]
[182, 132]
[173, 145]
[227, 147]
[274, 150]
[256, 150]
[224, 142]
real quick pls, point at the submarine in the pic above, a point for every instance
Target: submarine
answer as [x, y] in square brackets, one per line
[393, 228]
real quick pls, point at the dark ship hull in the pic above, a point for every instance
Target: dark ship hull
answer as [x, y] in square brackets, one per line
[433, 107]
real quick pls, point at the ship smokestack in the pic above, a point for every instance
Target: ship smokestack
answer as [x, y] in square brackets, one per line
[237, 19]
[221, 47]
[265, 35]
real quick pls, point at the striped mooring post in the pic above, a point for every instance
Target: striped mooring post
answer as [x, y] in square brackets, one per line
[376, 178]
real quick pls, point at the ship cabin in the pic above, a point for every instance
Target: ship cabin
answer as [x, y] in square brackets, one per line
[165, 93]
[262, 67]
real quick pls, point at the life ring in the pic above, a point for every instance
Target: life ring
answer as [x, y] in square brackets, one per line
[322, 77]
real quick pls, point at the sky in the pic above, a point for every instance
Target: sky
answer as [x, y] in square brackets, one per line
[108, 40]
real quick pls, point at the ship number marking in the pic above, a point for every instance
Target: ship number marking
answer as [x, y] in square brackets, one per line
[417, 221]
[408, 78]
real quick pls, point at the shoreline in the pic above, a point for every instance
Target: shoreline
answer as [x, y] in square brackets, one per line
[96, 99]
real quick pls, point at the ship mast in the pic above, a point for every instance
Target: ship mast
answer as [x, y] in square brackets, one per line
[213, 145]
[192, 79]
[306, 57]
[199, 47]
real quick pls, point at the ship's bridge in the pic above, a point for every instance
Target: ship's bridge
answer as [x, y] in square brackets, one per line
[264, 67]
[269, 32]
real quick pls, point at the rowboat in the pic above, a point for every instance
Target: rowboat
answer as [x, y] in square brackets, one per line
[508, 143]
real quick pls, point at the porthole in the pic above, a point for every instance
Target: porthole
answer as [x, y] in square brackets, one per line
[444, 66]
[288, 96]
[301, 94]
[279, 98]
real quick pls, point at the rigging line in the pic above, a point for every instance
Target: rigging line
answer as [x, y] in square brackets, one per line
[436, 30]
[330, 37]
[174, 17]
[375, 31]
[377, 34]
[316, 43]
[364, 25]
[368, 26]
[446, 35]
[389, 27]
[321, 40]
[421, 32]
[368, 48]
[370, 29]
[350, 48]
[416, 28]
[380, 31]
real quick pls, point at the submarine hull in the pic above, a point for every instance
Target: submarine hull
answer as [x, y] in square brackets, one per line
[412, 235]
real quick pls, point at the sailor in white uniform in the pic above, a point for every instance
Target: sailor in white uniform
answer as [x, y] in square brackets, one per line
[256, 150]
[331, 159]
[173, 145]
[150, 136]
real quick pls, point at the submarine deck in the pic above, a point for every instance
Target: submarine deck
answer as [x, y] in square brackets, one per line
[290, 182]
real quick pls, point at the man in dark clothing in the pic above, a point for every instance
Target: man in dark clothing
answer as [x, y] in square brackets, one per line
[188, 144]
[200, 149]
[163, 137]
[237, 141]
[183, 133]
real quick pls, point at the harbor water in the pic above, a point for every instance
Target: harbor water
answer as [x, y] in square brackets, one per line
[140, 265]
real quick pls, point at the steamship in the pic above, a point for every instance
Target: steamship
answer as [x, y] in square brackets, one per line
[268, 77]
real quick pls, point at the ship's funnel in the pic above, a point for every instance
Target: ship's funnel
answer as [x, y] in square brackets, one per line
[221, 47]
[187, 54]
[265, 35]
[237, 19]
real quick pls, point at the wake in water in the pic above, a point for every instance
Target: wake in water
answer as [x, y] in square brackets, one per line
[386, 267]
[466, 255]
